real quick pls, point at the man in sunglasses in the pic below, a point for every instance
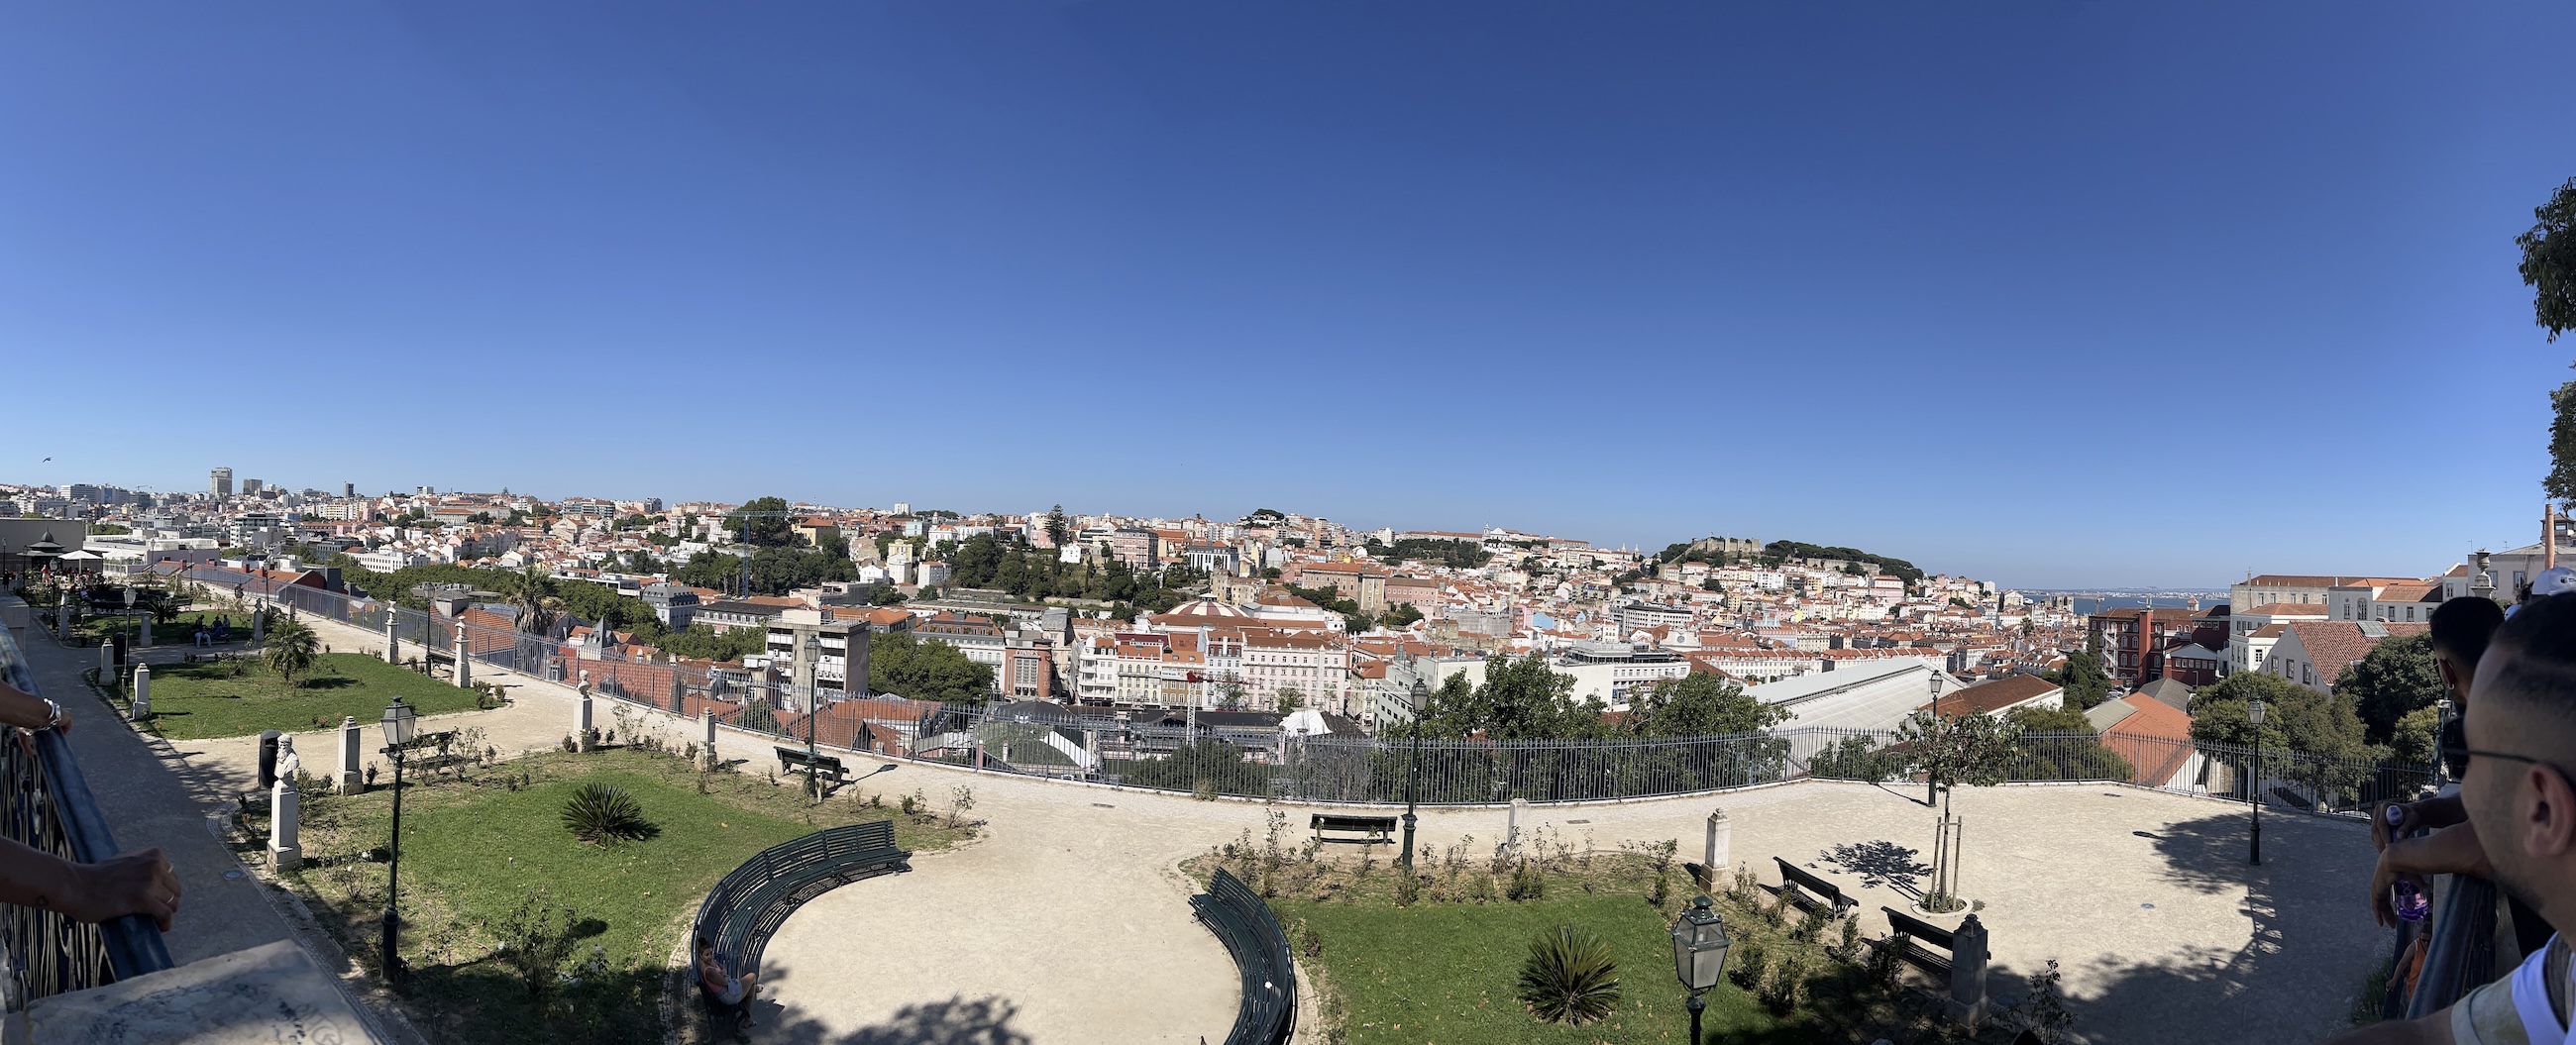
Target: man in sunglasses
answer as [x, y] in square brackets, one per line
[2521, 830]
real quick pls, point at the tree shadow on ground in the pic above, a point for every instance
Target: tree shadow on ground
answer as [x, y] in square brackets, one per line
[1880, 862]
[2309, 947]
[957, 1020]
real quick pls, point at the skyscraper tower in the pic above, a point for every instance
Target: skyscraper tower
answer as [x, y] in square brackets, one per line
[222, 482]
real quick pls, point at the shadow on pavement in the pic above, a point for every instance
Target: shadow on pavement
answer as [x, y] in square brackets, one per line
[2310, 949]
[1880, 862]
[956, 1021]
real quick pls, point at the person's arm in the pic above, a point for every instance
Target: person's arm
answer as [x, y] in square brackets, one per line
[130, 883]
[2431, 1030]
[28, 711]
[2451, 850]
[2431, 814]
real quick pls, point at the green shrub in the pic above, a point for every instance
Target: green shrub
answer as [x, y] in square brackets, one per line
[1570, 977]
[1528, 883]
[534, 938]
[605, 815]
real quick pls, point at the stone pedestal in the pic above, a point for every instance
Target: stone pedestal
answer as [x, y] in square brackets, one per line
[1512, 826]
[1716, 858]
[142, 692]
[581, 728]
[259, 625]
[143, 632]
[353, 759]
[107, 662]
[707, 757]
[284, 854]
[1968, 973]
[464, 659]
[393, 637]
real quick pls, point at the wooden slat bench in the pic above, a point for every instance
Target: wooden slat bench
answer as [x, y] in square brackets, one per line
[1357, 830]
[1912, 933]
[826, 768]
[1796, 884]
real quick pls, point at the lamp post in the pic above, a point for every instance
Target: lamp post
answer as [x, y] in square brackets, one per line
[1931, 787]
[129, 608]
[1421, 700]
[1699, 955]
[2254, 712]
[397, 721]
[813, 703]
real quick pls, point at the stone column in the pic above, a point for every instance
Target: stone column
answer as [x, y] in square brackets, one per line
[259, 625]
[464, 658]
[708, 717]
[1968, 973]
[142, 692]
[581, 724]
[283, 852]
[1721, 838]
[1512, 826]
[143, 634]
[393, 637]
[107, 661]
[352, 758]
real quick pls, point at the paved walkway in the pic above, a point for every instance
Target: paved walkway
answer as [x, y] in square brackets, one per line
[151, 795]
[2145, 899]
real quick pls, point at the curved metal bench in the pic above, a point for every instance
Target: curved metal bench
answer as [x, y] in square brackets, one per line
[752, 901]
[1242, 922]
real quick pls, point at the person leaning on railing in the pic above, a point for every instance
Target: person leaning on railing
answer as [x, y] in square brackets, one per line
[2520, 828]
[2461, 630]
[140, 882]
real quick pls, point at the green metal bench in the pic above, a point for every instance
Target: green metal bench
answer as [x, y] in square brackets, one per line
[751, 902]
[826, 768]
[1243, 922]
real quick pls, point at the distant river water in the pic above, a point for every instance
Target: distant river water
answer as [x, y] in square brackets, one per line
[2086, 604]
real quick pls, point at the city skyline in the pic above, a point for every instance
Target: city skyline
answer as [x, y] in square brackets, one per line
[2069, 296]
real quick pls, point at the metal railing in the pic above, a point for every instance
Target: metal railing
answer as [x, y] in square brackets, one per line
[45, 804]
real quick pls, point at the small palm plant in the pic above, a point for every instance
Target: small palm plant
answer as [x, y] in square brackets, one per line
[605, 815]
[1570, 977]
[292, 649]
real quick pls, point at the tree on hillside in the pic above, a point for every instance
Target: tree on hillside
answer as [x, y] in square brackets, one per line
[1057, 531]
[2083, 680]
[1700, 706]
[1522, 699]
[767, 531]
[2393, 680]
[925, 669]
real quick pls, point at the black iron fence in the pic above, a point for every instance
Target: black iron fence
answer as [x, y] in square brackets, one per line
[45, 804]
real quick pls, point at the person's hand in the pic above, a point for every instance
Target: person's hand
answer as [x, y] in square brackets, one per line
[2431, 814]
[2452, 850]
[140, 882]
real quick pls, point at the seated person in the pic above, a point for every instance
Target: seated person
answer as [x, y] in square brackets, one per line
[736, 991]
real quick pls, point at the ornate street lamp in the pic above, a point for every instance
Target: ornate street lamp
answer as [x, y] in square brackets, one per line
[397, 721]
[1699, 955]
[1421, 702]
[2254, 712]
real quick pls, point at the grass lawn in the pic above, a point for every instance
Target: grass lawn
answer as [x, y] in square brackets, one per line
[1446, 972]
[1437, 958]
[473, 850]
[197, 701]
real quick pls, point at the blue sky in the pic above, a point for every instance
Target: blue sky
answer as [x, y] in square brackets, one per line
[2063, 294]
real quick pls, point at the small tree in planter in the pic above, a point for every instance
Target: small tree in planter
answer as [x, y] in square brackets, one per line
[1951, 750]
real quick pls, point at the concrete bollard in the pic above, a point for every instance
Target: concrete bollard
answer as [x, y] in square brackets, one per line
[259, 625]
[1721, 837]
[142, 693]
[106, 662]
[393, 638]
[1512, 826]
[143, 633]
[1968, 973]
[283, 852]
[709, 718]
[464, 660]
[581, 735]
[353, 778]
